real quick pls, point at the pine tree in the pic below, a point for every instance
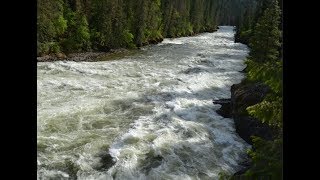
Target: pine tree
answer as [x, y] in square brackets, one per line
[265, 42]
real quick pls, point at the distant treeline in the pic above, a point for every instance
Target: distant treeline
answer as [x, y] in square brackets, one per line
[101, 25]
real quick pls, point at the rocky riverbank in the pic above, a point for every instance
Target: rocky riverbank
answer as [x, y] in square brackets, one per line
[103, 56]
[85, 56]
[243, 95]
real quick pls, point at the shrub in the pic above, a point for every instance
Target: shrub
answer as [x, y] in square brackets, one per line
[128, 39]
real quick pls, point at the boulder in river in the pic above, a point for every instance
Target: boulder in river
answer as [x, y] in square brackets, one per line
[106, 161]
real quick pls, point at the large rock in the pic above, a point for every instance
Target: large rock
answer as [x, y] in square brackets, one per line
[244, 95]
[106, 161]
[61, 56]
[247, 126]
[245, 166]
[46, 58]
[225, 109]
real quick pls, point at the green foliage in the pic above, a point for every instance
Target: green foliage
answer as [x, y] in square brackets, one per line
[128, 38]
[47, 48]
[269, 72]
[78, 36]
[269, 112]
[54, 47]
[60, 25]
[265, 41]
[48, 14]
[82, 35]
[42, 48]
[189, 30]
[105, 24]
[245, 36]
[267, 159]
[261, 28]
[263, 66]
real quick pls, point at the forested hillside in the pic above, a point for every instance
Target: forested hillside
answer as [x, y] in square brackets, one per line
[101, 25]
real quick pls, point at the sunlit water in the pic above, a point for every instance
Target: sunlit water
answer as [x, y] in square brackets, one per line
[151, 111]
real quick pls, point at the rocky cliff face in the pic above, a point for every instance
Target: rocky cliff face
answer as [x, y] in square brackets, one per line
[244, 95]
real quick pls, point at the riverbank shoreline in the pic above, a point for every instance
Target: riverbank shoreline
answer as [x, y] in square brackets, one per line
[81, 56]
[102, 56]
[243, 95]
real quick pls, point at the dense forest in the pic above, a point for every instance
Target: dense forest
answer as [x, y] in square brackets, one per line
[101, 25]
[261, 29]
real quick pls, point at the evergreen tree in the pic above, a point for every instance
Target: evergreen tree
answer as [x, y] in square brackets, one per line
[265, 41]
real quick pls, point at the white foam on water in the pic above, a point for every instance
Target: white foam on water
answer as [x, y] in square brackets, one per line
[152, 112]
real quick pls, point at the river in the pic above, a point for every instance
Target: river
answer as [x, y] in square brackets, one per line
[150, 112]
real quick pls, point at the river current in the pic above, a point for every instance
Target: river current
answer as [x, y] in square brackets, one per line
[148, 115]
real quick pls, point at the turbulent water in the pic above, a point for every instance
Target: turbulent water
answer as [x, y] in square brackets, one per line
[151, 113]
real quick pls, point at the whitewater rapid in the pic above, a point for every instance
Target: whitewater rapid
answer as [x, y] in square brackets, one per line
[150, 112]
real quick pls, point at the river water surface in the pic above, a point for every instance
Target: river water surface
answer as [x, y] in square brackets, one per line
[150, 112]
